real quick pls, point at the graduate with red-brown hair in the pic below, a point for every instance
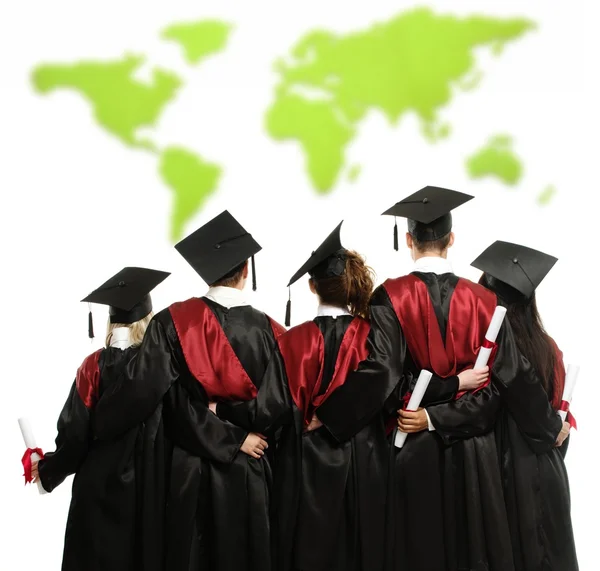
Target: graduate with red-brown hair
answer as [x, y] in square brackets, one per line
[329, 497]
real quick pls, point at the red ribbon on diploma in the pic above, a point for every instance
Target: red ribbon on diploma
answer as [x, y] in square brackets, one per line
[564, 406]
[392, 422]
[26, 461]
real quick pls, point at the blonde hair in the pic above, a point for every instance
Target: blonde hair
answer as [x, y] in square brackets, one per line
[136, 330]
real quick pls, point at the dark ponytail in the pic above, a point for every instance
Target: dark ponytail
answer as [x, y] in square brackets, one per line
[528, 329]
[352, 289]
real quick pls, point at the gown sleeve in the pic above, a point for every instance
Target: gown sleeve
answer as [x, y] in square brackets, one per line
[72, 443]
[473, 414]
[441, 390]
[140, 388]
[192, 426]
[524, 395]
[273, 405]
[158, 365]
[352, 406]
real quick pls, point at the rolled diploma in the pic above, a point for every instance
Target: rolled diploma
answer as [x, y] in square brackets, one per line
[570, 382]
[29, 439]
[491, 335]
[413, 404]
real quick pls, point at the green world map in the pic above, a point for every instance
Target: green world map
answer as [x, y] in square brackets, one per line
[413, 63]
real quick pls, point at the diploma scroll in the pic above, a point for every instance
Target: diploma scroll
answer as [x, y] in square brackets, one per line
[29, 439]
[490, 338]
[570, 382]
[415, 401]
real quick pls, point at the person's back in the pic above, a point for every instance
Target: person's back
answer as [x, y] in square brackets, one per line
[445, 508]
[329, 497]
[212, 347]
[531, 438]
[445, 319]
[110, 487]
[224, 352]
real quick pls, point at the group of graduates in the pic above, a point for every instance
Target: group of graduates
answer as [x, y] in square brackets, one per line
[209, 437]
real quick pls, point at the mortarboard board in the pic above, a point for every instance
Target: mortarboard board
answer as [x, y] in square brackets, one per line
[127, 294]
[218, 247]
[520, 267]
[328, 260]
[428, 212]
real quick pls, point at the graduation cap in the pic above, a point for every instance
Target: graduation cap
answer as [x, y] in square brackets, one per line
[520, 267]
[327, 261]
[218, 247]
[127, 294]
[428, 211]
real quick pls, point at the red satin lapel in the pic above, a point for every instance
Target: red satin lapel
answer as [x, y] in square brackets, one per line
[413, 307]
[302, 349]
[208, 353]
[87, 380]
[471, 310]
[353, 350]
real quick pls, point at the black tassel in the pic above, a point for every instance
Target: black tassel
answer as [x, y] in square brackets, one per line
[395, 234]
[253, 275]
[288, 310]
[90, 325]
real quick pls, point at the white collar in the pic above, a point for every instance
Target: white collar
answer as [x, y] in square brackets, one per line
[331, 311]
[119, 338]
[433, 264]
[226, 296]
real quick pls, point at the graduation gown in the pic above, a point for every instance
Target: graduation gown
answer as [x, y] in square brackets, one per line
[329, 498]
[193, 352]
[534, 476]
[115, 520]
[445, 494]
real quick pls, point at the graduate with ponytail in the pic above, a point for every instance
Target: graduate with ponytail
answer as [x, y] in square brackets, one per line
[329, 498]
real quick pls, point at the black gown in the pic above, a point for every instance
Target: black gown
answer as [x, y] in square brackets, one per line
[115, 520]
[446, 508]
[329, 498]
[535, 478]
[217, 507]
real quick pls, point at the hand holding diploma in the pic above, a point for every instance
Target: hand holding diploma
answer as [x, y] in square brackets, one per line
[32, 455]
[414, 402]
[490, 338]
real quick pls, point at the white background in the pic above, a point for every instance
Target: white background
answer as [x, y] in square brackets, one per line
[77, 205]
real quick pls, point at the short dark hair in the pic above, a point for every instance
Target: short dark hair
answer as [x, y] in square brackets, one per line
[438, 245]
[232, 277]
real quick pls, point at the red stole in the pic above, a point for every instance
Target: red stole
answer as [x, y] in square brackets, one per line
[208, 353]
[471, 310]
[302, 349]
[87, 380]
